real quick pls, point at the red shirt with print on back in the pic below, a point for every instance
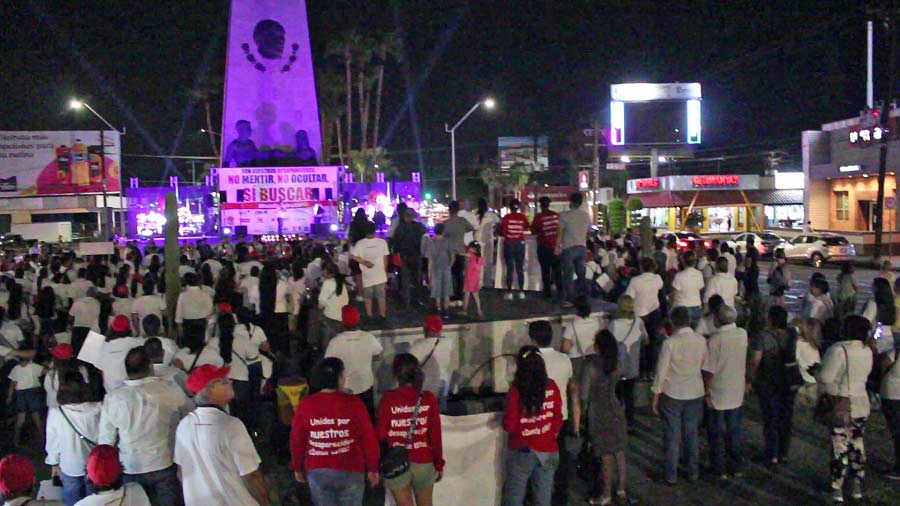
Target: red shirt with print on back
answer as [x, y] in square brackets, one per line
[394, 417]
[546, 227]
[513, 227]
[332, 430]
[537, 432]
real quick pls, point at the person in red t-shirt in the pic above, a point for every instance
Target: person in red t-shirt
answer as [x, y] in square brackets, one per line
[395, 413]
[546, 227]
[333, 443]
[533, 419]
[513, 228]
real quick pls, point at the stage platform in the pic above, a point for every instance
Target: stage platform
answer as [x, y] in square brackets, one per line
[479, 344]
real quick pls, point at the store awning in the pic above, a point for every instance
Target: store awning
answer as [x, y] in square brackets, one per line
[720, 198]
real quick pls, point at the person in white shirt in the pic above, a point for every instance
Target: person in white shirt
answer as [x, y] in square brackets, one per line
[184, 266]
[194, 306]
[722, 284]
[644, 290]
[357, 349]
[372, 255]
[559, 366]
[105, 473]
[631, 335]
[724, 371]
[687, 287]
[249, 287]
[156, 352]
[148, 304]
[578, 336]
[296, 285]
[678, 394]
[63, 362]
[844, 372]
[153, 328]
[821, 307]
[809, 333]
[112, 358]
[85, 316]
[332, 297]
[25, 383]
[274, 307]
[237, 352]
[72, 428]
[213, 450]
[726, 253]
[245, 266]
[881, 309]
[17, 482]
[142, 416]
[79, 287]
[436, 368]
[215, 267]
[195, 353]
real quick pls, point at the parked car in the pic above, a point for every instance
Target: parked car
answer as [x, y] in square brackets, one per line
[12, 241]
[818, 248]
[765, 242]
[685, 240]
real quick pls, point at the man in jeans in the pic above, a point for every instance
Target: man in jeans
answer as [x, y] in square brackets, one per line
[455, 228]
[408, 244]
[546, 227]
[573, 229]
[678, 394]
[143, 415]
[724, 370]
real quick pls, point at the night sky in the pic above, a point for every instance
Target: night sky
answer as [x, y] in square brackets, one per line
[768, 69]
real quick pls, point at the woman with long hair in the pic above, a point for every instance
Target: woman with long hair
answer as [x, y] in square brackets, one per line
[332, 297]
[225, 286]
[45, 309]
[416, 485]
[808, 331]
[607, 426]
[881, 309]
[487, 221]
[274, 307]
[532, 418]
[236, 351]
[195, 351]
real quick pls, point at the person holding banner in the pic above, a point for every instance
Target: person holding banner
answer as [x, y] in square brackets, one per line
[532, 450]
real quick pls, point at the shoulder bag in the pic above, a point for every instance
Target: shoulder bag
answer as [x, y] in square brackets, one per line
[395, 461]
[80, 435]
[835, 410]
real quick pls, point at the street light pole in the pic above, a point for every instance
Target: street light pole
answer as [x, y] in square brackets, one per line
[489, 104]
[107, 212]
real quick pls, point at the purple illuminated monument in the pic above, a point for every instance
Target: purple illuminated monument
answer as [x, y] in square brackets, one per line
[270, 90]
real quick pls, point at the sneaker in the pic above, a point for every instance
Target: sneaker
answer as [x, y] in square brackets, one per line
[856, 490]
[521, 295]
[508, 296]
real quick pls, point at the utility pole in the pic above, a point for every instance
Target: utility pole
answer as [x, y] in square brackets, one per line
[888, 17]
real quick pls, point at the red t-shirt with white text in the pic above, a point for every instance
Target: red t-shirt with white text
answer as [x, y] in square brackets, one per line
[546, 227]
[513, 227]
[537, 432]
[332, 430]
[394, 417]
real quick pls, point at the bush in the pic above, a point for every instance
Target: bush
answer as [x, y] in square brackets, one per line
[616, 216]
[634, 206]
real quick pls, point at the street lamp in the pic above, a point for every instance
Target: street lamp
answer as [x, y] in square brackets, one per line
[488, 104]
[205, 131]
[76, 104]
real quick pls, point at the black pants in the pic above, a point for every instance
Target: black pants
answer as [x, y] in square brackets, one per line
[458, 271]
[368, 399]
[625, 394]
[551, 274]
[650, 351]
[79, 334]
[411, 280]
[777, 408]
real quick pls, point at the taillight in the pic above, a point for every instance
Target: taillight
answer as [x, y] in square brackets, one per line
[707, 244]
[682, 244]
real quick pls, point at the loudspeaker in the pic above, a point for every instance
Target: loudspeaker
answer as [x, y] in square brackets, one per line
[240, 231]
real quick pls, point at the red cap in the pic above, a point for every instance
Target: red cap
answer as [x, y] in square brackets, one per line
[254, 254]
[201, 376]
[120, 323]
[103, 467]
[63, 351]
[16, 475]
[350, 316]
[434, 324]
[224, 307]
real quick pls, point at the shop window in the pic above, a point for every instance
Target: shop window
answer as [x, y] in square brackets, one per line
[842, 205]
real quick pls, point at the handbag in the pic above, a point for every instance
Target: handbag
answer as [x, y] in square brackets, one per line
[395, 461]
[80, 435]
[835, 410]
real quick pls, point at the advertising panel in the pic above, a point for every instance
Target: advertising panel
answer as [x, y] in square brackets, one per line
[532, 151]
[278, 199]
[57, 162]
[270, 110]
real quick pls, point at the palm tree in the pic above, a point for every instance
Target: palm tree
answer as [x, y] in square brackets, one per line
[329, 88]
[205, 93]
[388, 45]
[345, 46]
[364, 95]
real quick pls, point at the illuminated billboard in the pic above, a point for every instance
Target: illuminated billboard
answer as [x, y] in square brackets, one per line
[655, 114]
[270, 110]
[532, 151]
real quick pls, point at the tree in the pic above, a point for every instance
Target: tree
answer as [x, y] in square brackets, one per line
[329, 88]
[388, 45]
[205, 93]
[364, 165]
[634, 206]
[513, 179]
[616, 215]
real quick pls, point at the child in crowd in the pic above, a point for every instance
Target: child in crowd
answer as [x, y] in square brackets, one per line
[472, 283]
[440, 261]
[25, 383]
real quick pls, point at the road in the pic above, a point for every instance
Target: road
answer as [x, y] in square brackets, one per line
[800, 284]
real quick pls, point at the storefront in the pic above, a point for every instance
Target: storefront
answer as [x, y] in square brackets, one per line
[719, 203]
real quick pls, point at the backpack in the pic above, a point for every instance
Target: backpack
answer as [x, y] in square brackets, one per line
[793, 379]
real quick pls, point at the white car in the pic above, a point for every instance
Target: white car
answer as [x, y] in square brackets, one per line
[818, 248]
[765, 242]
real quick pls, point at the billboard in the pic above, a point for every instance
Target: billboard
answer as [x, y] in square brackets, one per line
[58, 162]
[262, 198]
[270, 110]
[532, 151]
[653, 114]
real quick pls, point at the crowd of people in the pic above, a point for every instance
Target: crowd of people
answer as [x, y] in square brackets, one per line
[136, 403]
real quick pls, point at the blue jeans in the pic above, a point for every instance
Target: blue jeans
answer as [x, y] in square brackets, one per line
[162, 486]
[74, 488]
[777, 408]
[695, 312]
[681, 421]
[330, 487]
[523, 465]
[723, 427]
[572, 260]
[514, 258]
